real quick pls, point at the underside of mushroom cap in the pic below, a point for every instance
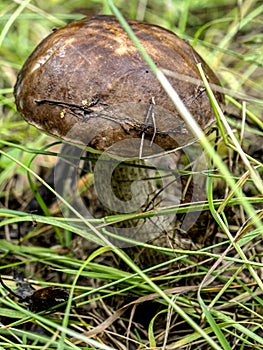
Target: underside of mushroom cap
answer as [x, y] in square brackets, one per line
[87, 83]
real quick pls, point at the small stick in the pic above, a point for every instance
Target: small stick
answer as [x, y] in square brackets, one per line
[149, 113]
[154, 124]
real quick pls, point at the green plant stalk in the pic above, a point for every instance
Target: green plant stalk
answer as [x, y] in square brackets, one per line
[40, 200]
[224, 288]
[71, 295]
[255, 177]
[215, 327]
[238, 326]
[184, 16]
[230, 196]
[251, 115]
[224, 228]
[47, 253]
[101, 223]
[12, 19]
[170, 302]
[236, 26]
[152, 341]
[257, 163]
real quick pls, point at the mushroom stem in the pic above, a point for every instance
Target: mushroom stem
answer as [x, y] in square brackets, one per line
[134, 186]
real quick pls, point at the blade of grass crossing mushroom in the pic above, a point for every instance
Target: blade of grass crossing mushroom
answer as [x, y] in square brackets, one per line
[209, 149]
[182, 109]
[194, 127]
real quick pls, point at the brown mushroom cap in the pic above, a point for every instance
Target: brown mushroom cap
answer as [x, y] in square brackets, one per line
[87, 83]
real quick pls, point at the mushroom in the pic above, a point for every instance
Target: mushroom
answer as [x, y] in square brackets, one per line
[87, 83]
